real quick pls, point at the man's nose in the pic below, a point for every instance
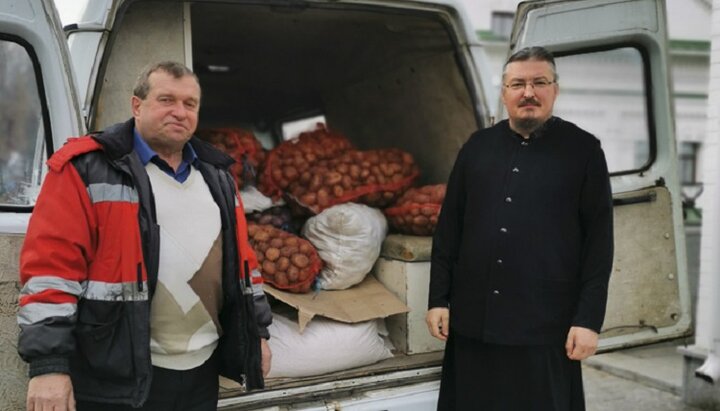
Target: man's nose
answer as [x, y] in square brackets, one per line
[179, 110]
[529, 90]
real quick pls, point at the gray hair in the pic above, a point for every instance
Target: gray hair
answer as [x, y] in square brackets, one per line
[535, 53]
[177, 70]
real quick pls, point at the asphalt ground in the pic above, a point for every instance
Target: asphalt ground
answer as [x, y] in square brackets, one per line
[608, 392]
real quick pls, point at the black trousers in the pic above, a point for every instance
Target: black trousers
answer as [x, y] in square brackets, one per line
[488, 377]
[189, 390]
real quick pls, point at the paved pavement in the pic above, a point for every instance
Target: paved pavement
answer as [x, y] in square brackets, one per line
[638, 379]
[608, 392]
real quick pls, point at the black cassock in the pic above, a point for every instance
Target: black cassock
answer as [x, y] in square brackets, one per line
[522, 251]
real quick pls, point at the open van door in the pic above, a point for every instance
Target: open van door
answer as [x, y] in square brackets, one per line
[38, 104]
[38, 111]
[614, 82]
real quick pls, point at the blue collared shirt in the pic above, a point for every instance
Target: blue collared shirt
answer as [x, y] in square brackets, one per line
[147, 155]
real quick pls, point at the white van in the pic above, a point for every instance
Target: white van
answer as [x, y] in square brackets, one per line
[399, 73]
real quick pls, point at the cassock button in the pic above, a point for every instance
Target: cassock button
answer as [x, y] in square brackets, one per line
[499, 260]
[515, 170]
[508, 200]
[503, 230]
[496, 292]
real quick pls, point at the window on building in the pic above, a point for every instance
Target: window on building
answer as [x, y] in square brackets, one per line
[22, 133]
[604, 93]
[641, 153]
[688, 162]
[501, 23]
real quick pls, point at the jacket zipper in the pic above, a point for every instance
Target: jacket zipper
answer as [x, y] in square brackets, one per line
[139, 277]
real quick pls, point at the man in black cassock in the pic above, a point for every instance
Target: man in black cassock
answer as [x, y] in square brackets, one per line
[522, 254]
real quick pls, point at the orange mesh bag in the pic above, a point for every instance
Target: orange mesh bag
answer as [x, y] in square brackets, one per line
[375, 178]
[417, 211]
[290, 160]
[286, 261]
[242, 146]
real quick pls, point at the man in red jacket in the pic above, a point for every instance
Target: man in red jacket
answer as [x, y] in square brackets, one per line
[139, 284]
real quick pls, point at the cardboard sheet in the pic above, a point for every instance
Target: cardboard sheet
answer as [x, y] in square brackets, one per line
[362, 302]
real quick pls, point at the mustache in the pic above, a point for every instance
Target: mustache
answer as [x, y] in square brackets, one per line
[529, 102]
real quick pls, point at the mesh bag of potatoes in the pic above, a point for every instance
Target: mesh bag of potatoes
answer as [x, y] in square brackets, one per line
[289, 160]
[416, 211]
[286, 261]
[242, 146]
[374, 177]
[278, 217]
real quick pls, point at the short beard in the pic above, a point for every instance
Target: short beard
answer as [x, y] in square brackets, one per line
[528, 125]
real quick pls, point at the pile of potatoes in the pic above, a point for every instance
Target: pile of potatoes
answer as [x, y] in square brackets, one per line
[286, 261]
[373, 177]
[242, 146]
[288, 161]
[416, 211]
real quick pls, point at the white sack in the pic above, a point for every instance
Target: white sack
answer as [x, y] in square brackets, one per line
[324, 346]
[253, 200]
[348, 238]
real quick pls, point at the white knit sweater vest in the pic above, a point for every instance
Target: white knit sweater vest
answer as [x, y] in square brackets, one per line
[183, 333]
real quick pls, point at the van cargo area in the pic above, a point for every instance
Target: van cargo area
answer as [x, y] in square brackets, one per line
[382, 77]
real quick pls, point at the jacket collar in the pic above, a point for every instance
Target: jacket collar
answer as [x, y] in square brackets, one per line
[117, 142]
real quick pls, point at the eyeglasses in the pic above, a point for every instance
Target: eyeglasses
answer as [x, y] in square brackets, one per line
[538, 84]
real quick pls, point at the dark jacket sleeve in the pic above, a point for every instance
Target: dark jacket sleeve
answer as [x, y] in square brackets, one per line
[448, 233]
[596, 218]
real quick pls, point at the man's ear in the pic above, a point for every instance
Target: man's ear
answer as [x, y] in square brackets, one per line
[135, 103]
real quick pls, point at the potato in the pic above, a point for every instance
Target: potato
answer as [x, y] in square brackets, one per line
[262, 235]
[309, 199]
[268, 267]
[428, 211]
[347, 182]
[292, 241]
[293, 276]
[303, 275]
[295, 272]
[420, 220]
[281, 280]
[276, 242]
[290, 172]
[300, 260]
[332, 178]
[288, 251]
[272, 253]
[306, 248]
[282, 264]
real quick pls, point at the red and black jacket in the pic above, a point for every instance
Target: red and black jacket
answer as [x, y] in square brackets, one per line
[89, 269]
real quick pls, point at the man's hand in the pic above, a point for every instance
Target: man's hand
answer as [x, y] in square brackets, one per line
[581, 343]
[438, 322]
[51, 392]
[266, 356]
